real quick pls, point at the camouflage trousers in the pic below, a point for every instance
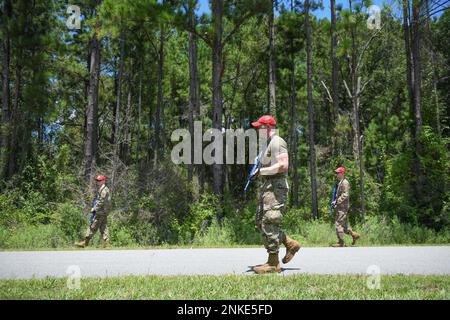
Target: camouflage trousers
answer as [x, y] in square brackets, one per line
[341, 223]
[100, 222]
[271, 207]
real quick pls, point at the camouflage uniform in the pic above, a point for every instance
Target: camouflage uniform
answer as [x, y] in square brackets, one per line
[273, 198]
[101, 209]
[341, 209]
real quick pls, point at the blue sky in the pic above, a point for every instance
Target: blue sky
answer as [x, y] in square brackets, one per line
[320, 13]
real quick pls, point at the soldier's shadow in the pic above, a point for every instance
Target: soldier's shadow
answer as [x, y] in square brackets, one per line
[250, 269]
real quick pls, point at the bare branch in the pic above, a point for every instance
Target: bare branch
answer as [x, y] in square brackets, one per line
[328, 91]
[348, 90]
[438, 8]
[366, 46]
[364, 85]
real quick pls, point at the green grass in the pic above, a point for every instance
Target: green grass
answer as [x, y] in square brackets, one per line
[375, 231]
[272, 287]
[209, 246]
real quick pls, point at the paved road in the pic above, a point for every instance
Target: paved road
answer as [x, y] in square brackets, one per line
[106, 263]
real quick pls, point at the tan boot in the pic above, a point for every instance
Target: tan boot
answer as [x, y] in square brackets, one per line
[83, 243]
[355, 237]
[106, 244]
[292, 247]
[339, 244]
[272, 266]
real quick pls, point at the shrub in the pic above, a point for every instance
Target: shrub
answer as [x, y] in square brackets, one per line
[35, 236]
[243, 224]
[216, 235]
[197, 221]
[4, 235]
[71, 221]
[10, 215]
[144, 233]
[399, 193]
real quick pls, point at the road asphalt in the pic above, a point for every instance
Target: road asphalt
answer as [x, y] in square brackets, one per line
[419, 260]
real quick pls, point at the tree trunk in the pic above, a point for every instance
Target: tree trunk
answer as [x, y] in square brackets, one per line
[334, 76]
[435, 92]
[356, 103]
[355, 96]
[91, 141]
[92, 107]
[294, 134]
[138, 131]
[416, 67]
[160, 99]
[113, 106]
[409, 61]
[217, 67]
[312, 152]
[353, 79]
[417, 97]
[16, 125]
[5, 79]
[194, 87]
[126, 144]
[272, 84]
[117, 112]
[434, 66]
[412, 48]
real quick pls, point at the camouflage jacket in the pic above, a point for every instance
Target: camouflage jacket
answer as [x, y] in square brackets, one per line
[102, 201]
[342, 194]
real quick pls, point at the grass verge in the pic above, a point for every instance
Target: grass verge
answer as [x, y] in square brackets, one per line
[274, 287]
[195, 246]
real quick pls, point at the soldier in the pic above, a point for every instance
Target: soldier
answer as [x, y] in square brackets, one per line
[272, 200]
[99, 214]
[341, 205]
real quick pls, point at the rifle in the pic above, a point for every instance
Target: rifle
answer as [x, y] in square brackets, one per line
[253, 171]
[333, 197]
[91, 213]
[256, 166]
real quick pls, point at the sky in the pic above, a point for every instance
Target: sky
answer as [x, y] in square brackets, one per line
[320, 13]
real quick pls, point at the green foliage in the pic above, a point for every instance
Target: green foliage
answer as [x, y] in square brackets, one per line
[33, 237]
[10, 214]
[70, 221]
[381, 230]
[200, 215]
[154, 203]
[120, 234]
[399, 189]
[216, 235]
[317, 232]
[145, 234]
[435, 164]
[242, 221]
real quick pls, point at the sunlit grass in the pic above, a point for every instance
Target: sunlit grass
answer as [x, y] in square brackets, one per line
[273, 287]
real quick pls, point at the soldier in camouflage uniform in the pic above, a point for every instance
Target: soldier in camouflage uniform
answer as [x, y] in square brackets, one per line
[273, 197]
[341, 205]
[99, 214]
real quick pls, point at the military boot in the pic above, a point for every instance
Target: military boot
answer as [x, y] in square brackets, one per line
[355, 237]
[292, 247]
[105, 243]
[83, 243]
[272, 266]
[339, 244]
